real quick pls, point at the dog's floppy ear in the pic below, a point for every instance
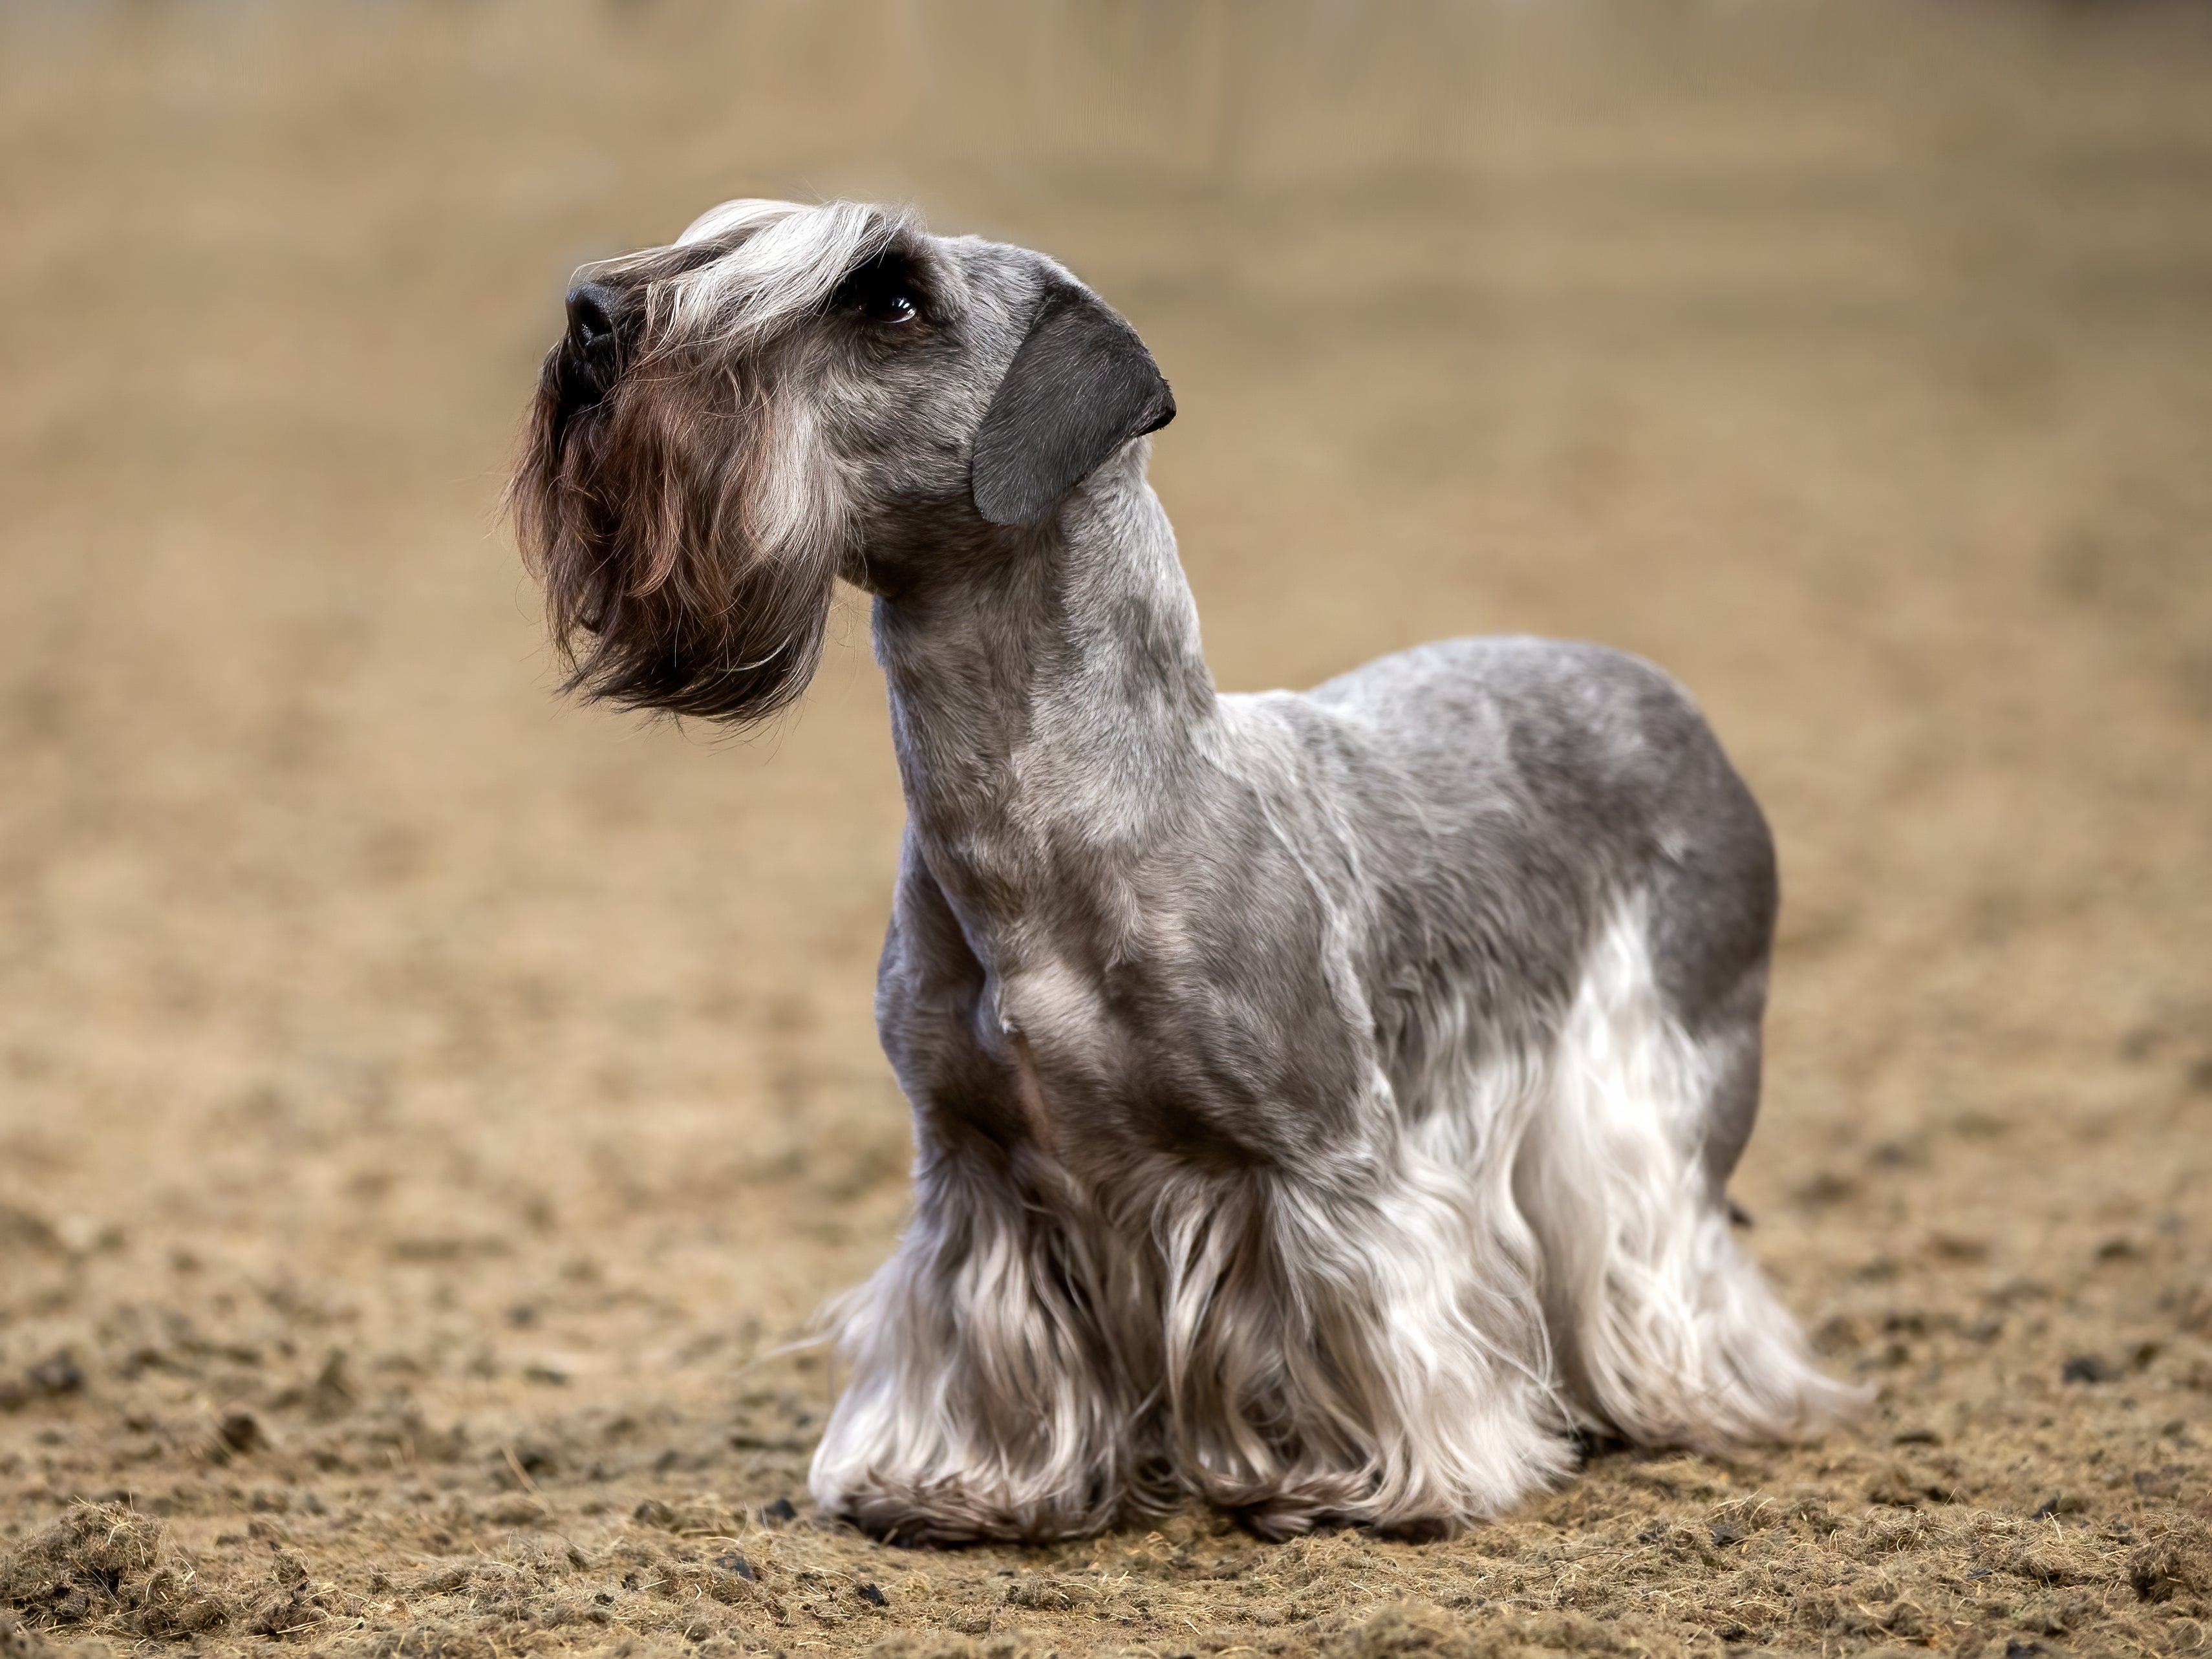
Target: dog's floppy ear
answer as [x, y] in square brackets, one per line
[1081, 387]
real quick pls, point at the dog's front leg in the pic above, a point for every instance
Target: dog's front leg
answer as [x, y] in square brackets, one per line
[985, 1398]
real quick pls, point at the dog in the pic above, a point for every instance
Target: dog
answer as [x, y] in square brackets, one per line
[1323, 1103]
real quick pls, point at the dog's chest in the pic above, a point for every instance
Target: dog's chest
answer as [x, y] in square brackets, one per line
[1052, 1018]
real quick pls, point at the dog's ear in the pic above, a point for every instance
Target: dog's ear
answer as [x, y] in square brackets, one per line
[1081, 387]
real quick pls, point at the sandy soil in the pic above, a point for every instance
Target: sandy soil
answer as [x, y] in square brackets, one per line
[426, 1111]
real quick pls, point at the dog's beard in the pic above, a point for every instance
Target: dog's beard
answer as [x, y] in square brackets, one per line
[688, 528]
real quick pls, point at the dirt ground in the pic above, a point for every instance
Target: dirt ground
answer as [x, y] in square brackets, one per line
[428, 1111]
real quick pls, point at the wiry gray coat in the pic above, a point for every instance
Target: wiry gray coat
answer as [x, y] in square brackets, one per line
[1322, 1101]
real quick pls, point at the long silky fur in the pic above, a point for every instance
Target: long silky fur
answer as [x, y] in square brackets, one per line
[997, 1365]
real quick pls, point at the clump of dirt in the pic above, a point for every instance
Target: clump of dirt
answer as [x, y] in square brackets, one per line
[1406, 1629]
[933, 1646]
[2176, 1568]
[106, 1566]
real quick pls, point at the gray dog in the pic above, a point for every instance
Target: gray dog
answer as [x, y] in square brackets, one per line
[1322, 1103]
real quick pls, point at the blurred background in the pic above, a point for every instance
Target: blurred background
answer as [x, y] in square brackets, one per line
[358, 998]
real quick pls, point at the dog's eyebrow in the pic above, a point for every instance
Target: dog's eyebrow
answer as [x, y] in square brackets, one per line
[792, 261]
[896, 264]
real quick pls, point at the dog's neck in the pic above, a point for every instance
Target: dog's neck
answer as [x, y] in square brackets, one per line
[1047, 708]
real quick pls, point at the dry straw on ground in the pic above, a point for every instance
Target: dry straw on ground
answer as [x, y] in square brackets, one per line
[1685, 1575]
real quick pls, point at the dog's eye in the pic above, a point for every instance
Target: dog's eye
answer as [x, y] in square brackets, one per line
[883, 291]
[890, 305]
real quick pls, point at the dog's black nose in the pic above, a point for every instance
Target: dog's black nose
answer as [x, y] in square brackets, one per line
[589, 360]
[590, 317]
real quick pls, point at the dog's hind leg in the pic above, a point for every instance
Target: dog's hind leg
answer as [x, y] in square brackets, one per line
[1664, 1329]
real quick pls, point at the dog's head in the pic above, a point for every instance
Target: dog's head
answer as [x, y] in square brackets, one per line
[786, 394]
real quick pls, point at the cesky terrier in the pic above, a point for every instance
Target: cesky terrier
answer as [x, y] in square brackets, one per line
[1322, 1101]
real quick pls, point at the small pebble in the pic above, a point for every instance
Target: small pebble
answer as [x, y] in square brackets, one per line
[56, 1374]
